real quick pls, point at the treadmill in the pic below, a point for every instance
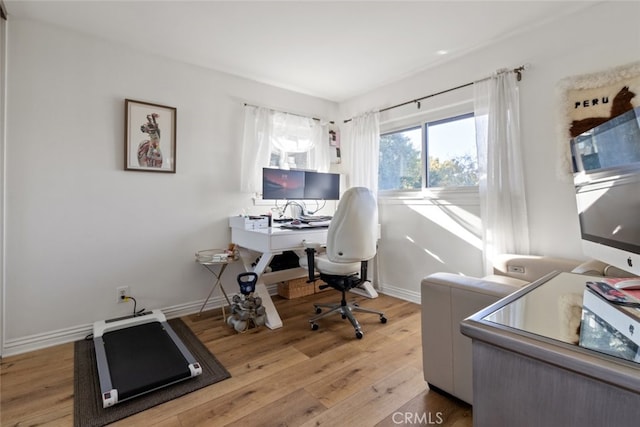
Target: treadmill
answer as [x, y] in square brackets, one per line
[139, 354]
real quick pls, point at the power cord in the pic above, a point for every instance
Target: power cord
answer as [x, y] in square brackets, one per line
[135, 313]
[135, 303]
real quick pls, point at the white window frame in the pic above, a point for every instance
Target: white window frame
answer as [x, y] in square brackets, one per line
[391, 124]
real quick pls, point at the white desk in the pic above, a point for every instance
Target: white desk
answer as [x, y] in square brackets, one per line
[274, 241]
[271, 242]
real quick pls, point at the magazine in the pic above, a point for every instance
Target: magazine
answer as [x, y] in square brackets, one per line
[628, 285]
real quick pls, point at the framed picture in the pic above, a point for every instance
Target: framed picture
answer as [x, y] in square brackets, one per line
[150, 137]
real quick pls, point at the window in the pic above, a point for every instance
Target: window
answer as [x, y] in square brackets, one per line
[449, 147]
[400, 162]
[281, 140]
[452, 154]
[291, 141]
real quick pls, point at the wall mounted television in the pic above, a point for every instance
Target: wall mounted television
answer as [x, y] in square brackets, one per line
[294, 184]
[607, 185]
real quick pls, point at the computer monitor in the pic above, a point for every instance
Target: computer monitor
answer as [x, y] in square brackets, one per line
[321, 186]
[609, 222]
[282, 184]
[292, 184]
[607, 182]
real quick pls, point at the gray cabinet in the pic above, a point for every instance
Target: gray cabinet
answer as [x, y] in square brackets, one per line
[529, 369]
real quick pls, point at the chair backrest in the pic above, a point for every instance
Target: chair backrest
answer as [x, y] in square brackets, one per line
[353, 232]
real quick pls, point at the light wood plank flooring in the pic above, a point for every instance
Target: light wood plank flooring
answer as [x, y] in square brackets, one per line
[286, 377]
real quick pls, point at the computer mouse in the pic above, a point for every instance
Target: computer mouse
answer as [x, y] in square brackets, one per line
[630, 284]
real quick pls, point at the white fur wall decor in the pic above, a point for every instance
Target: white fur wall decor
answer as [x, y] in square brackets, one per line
[588, 100]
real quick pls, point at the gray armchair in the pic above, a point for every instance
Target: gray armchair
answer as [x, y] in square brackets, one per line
[448, 298]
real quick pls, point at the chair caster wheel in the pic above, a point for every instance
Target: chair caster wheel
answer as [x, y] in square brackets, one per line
[359, 335]
[344, 317]
[383, 319]
[318, 310]
[314, 326]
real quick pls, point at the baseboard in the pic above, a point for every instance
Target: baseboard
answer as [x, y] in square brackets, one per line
[62, 336]
[15, 346]
[401, 293]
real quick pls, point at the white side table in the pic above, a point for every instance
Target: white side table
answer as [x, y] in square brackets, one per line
[217, 268]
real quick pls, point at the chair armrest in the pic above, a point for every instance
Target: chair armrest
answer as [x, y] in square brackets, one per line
[592, 267]
[531, 267]
[490, 286]
[312, 245]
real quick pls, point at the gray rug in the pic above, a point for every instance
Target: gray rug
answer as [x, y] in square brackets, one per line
[87, 402]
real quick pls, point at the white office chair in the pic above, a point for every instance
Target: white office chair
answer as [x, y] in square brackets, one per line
[351, 242]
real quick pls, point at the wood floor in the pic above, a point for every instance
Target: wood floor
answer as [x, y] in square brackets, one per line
[286, 377]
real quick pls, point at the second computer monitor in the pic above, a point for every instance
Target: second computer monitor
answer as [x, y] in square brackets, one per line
[299, 185]
[321, 186]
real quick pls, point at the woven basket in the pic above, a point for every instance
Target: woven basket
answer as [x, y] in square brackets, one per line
[295, 288]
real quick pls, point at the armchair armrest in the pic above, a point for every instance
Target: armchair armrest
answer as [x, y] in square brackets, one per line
[531, 267]
[447, 299]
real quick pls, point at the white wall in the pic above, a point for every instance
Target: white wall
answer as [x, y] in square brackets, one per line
[597, 38]
[77, 225]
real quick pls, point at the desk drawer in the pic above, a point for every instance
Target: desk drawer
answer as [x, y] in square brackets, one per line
[288, 241]
[276, 240]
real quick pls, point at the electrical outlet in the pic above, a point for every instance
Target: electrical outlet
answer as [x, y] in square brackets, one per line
[515, 269]
[122, 291]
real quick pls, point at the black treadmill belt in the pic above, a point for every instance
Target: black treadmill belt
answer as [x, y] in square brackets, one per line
[142, 358]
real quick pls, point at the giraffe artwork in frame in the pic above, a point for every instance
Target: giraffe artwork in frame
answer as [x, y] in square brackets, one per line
[150, 137]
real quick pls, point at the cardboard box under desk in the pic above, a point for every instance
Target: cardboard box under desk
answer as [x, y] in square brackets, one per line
[297, 288]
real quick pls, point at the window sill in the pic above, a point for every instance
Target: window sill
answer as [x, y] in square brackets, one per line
[451, 195]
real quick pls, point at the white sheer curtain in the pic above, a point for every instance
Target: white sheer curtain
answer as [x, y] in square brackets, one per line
[267, 132]
[362, 146]
[503, 204]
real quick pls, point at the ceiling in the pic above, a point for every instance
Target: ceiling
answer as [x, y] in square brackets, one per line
[331, 50]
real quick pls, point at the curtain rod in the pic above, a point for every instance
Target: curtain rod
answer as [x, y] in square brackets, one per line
[284, 112]
[517, 70]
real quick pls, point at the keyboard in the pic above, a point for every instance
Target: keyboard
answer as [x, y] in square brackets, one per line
[315, 218]
[306, 225]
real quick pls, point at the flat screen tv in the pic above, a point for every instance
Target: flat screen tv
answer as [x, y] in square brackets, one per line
[299, 185]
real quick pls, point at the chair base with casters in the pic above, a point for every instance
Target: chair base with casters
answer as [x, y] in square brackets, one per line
[344, 308]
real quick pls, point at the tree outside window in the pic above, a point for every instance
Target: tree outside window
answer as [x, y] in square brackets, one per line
[451, 156]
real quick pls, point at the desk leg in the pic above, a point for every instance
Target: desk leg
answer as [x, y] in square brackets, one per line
[273, 320]
[265, 260]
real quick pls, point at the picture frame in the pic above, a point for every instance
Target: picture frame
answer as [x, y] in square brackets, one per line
[150, 137]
